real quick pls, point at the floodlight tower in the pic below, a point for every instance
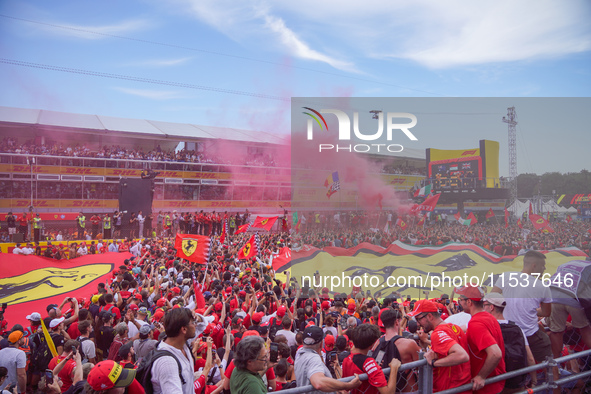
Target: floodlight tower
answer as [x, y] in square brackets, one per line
[510, 119]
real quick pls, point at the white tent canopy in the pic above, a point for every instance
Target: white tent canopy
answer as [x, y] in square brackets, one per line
[519, 207]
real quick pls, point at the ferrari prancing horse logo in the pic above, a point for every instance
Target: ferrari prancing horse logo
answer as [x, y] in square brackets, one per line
[247, 249]
[264, 221]
[189, 246]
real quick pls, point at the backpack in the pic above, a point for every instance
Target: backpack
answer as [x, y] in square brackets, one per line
[144, 370]
[384, 353]
[82, 339]
[515, 353]
[273, 328]
[41, 354]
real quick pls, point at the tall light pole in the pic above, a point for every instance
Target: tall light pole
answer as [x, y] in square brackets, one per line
[510, 119]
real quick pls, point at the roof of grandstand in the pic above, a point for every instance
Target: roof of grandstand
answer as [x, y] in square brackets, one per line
[109, 125]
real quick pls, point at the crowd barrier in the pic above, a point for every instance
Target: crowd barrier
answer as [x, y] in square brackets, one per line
[579, 380]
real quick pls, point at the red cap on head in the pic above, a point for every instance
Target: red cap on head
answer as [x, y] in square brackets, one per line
[251, 333]
[133, 307]
[219, 306]
[423, 306]
[257, 317]
[325, 305]
[176, 290]
[281, 311]
[329, 340]
[161, 302]
[470, 291]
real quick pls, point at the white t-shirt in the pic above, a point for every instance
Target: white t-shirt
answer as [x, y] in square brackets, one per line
[523, 295]
[291, 341]
[17, 251]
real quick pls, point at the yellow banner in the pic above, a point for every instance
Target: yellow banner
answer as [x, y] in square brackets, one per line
[17, 204]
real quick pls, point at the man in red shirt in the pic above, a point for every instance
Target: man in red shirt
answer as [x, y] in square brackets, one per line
[448, 355]
[67, 372]
[485, 341]
[359, 362]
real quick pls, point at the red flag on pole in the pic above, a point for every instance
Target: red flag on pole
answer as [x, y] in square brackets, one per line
[472, 218]
[531, 209]
[282, 259]
[506, 218]
[194, 248]
[248, 250]
[428, 205]
[421, 222]
[519, 223]
[224, 232]
[490, 214]
[243, 228]
[540, 223]
[401, 223]
[266, 223]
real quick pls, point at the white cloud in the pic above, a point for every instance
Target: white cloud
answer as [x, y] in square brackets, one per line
[438, 35]
[254, 21]
[162, 62]
[153, 94]
[97, 32]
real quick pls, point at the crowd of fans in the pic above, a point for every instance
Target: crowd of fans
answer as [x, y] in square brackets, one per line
[165, 325]
[10, 145]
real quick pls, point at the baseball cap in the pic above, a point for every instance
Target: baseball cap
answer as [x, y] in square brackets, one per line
[161, 302]
[496, 299]
[138, 296]
[281, 311]
[219, 306]
[95, 298]
[329, 341]
[351, 307]
[176, 290]
[133, 307]
[50, 307]
[15, 336]
[325, 305]
[159, 314]
[56, 322]
[35, 316]
[108, 374]
[470, 291]
[145, 329]
[423, 306]
[313, 335]
[257, 317]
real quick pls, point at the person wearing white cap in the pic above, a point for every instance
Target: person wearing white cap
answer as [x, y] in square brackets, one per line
[60, 336]
[35, 320]
[494, 303]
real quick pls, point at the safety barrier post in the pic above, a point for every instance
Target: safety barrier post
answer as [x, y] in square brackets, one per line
[425, 376]
[550, 372]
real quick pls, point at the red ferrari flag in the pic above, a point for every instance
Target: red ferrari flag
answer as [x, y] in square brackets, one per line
[421, 222]
[568, 218]
[194, 248]
[519, 223]
[428, 205]
[282, 259]
[242, 229]
[506, 218]
[540, 223]
[490, 214]
[224, 232]
[401, 223]
[30, 283]
[266, 223]
[249, 249]
[472, 218]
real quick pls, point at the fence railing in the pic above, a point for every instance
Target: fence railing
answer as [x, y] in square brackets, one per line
[425, 376]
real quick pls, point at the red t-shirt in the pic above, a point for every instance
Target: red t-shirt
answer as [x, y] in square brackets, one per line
[111, 308]
[359, 364]
[444, 336]
[73, 331]
[66, 373]
[484, 331]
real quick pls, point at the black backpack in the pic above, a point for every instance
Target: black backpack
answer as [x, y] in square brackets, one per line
[384, 353]
[41, 355]
[515, 353]
[273, 328]
[144, 370]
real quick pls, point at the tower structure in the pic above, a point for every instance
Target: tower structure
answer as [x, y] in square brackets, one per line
[511, 120]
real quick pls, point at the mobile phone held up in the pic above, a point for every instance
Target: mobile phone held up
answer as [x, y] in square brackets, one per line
[273, 352]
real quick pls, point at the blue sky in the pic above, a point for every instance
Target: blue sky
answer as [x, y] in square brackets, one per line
[268, 51]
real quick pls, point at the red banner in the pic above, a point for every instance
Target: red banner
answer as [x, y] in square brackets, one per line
[248, 250]
[194, 248]
[266, 223]
[282, 259]
[30, 283]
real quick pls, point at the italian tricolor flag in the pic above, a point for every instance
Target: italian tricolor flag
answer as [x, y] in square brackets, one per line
[423, 191]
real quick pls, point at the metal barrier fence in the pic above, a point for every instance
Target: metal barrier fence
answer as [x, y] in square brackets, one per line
[578, 380]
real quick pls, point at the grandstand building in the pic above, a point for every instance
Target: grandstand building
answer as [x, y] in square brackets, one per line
[62, 162]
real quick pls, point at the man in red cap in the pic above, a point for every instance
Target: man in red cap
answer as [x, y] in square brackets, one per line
[448, 355]
[110, 377]
[485, 341]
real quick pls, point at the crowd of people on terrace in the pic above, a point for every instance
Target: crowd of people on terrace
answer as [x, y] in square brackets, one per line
[259, 159]
[235, 325]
